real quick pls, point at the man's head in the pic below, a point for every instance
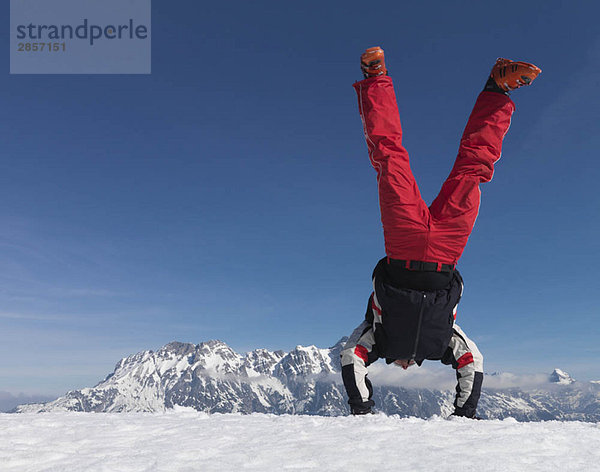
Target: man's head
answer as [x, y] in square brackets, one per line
[404, 363]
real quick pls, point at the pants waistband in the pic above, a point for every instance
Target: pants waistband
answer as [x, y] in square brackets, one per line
[422, 266]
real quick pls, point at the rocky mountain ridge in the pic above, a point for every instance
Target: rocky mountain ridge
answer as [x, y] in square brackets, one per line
[212, 377]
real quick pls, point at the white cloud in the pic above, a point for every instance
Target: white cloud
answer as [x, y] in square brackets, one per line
[510, 380]
[438, 377]
[442, 377]
[8, 401]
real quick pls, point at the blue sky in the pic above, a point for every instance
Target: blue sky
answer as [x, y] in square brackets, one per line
[229, 195]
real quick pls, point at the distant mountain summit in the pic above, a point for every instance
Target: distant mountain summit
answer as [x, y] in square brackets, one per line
[212, 377]
[561, 378]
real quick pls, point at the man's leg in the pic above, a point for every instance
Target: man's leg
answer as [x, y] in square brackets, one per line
[357, 354]
[404, 214]
[454, 211]
[463, 355]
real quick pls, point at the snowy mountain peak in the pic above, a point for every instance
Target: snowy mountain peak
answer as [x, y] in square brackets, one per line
[305, 361]
[211, 377]
[560, 377]
[261, 362]
[217, 356]
[174, 346]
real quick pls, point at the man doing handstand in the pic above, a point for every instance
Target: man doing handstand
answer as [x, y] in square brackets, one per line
[416, 288]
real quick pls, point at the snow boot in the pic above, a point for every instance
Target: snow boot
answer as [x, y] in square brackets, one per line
[358, 411]
[372, 62]
[509, 75]
[459, 413]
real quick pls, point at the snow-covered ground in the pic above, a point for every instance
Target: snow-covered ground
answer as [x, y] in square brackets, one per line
[185, 440]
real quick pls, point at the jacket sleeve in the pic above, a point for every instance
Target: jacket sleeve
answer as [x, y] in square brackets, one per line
[465, 358]
[359, 351]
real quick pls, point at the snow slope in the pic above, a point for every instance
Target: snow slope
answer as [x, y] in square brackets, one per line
[186, 440]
